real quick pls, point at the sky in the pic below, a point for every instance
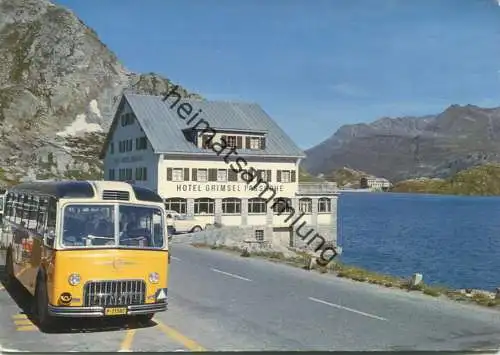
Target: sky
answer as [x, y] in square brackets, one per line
[313, 65]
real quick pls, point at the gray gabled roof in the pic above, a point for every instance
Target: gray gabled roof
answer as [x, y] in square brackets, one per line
[164, 128]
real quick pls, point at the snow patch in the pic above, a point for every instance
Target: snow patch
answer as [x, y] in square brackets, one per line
[80, 125]
[94, 108]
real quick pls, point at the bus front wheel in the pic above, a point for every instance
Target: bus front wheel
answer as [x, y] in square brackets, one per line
[41, 299]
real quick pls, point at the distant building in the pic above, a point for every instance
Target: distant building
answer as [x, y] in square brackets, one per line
[373, 182]
[152, 142]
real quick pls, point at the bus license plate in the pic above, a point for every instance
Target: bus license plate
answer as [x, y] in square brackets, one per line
[115, 311]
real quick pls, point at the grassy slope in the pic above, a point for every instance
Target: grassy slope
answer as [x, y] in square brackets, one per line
[482, 180]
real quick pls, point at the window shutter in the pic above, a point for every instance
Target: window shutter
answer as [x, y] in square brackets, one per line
[263, 143]
[247, 142]
[232, 175]
[212, 174]
[239, 142]
[194, 174]
[292, 175]
[186, 174]
[169, 174]
[278, 176]
[268, 176]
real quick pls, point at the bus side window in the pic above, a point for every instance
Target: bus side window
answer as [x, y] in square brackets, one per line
[25, 205]
[9, 210]
[41, 220]
[51, 221]
[18, 208]
[32, 213]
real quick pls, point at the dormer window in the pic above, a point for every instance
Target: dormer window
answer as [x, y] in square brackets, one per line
[205, 141]
[254, 143]
[231, 141]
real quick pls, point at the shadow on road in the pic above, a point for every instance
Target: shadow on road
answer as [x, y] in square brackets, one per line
[23, 300]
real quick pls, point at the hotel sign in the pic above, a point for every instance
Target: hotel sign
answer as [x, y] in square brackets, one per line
[227, 187]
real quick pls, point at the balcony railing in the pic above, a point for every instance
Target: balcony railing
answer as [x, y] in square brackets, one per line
[317, 188]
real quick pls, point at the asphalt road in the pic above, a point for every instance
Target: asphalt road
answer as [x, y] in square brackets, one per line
[220, 301]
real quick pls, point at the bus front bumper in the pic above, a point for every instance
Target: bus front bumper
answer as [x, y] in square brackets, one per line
[101, 311]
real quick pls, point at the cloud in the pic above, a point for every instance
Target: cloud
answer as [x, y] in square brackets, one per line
[498, 2]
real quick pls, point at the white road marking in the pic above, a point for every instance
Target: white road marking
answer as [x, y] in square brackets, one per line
[6, 350]
[346, 309]
[232, 275]
[175, 258]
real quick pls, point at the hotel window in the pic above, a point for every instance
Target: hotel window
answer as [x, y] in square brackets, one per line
[200, 175]
[231, 141]
[125, 146]
[204, 206]
[305, 205]
[232, 175]
[206, 141]
[125, 174]
[111, 148]
[265, 175]
[283, 205]
[141, 174]
[259, 235]
[141, 143]
[286, 176]
[177, 174]
[324, 205]
[222, 175]
[231, 205]
[178, 205]
[257, 205]
[111, 174]
[212, 174]
[127, 119]
[255, 143]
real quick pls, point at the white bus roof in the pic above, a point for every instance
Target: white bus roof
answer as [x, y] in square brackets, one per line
[106, 190]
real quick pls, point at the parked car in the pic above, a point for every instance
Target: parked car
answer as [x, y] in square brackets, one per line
[182, 223]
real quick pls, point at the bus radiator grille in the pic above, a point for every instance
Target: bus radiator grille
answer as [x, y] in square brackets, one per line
[114, 293]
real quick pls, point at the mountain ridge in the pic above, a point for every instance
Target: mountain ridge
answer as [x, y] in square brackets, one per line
[399, 148]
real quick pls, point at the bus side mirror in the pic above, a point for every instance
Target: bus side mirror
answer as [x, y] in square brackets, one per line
[49, 237]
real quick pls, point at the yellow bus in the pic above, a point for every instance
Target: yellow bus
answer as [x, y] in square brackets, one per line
[87, 249]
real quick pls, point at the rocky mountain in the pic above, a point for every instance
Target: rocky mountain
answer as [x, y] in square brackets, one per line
[409, 147]
[58, 87]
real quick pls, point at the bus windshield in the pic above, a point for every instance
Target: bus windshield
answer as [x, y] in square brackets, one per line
[97, 226]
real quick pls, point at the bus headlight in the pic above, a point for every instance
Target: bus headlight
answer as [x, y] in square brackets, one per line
[154, 277]
[74, 279]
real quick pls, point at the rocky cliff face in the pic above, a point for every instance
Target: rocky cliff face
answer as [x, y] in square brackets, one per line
[58, 87]
[409, 147]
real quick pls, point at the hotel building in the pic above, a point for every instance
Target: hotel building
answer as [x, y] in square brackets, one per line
[168, 145]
